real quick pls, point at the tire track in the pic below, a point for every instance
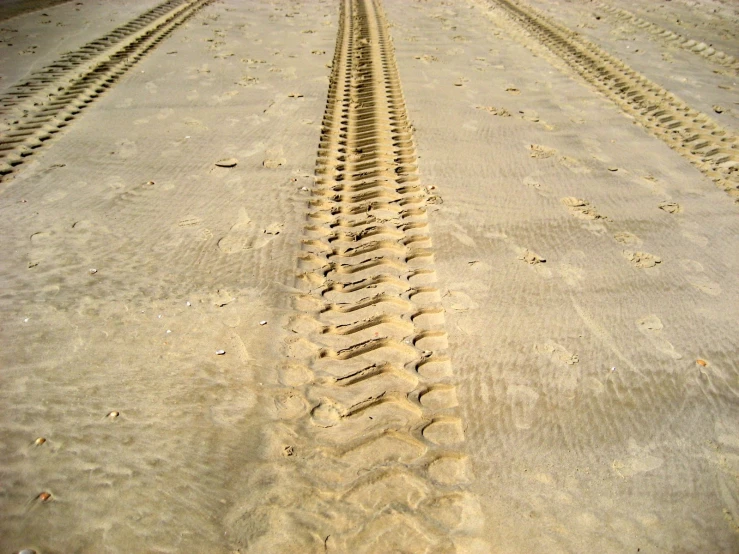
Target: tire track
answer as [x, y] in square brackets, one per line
[691, 133]
[670, 37]
[383, 428]
[42, 105]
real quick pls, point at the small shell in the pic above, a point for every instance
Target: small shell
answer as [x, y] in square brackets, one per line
[228, 162]
[220, 352]
[39, 441]
[113, 414]
[93, 271]
[262, 323]
[700, 362]
[44, 497]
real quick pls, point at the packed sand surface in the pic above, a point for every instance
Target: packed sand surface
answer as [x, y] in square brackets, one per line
[361, 276]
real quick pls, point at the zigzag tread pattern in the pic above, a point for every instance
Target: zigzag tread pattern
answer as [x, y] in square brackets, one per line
[382, 434]
[694, 135]
[692, 45]
[38, 108]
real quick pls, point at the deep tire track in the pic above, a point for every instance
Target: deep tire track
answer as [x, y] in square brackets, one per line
[41, 106]
[691, 133]
[383, 418]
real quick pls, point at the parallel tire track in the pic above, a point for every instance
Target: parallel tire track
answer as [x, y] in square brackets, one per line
[384, 420]
[697, 47]
[693, 134]
[41, 106]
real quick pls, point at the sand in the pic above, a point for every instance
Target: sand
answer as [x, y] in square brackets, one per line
[282, 277]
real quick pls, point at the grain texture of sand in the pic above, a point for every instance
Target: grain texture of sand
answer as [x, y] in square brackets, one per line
[369, 276]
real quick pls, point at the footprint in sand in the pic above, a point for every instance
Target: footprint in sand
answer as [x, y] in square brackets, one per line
[458, 301]
[191, 224]
[670, 207]
[533, 117]
[244, 235]
[530, 257]
[427, 58]
[39, 248]
[556, 352]
[540, 152]
[580, 208]
[624, 237]
[651, 327]
[642, 260]
[502, 112]
[695, 276]
[275, 157]
[522, 400]
[638, 461]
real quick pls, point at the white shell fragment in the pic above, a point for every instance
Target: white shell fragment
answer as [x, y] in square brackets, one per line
[93, 271]
[262, 323]
[220, 352]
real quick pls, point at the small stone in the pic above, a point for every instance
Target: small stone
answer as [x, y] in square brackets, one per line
[228, 162]
[262, 323]
[113, 415]
[44, 497]
[612, 168]
[700, 362]
[718, 109]
[220, 352]
[39, 441]
[93, 271]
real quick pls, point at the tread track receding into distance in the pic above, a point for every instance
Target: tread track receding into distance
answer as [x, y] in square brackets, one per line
[692, 45]
[34, 110]
[694, 135]
[383, 432]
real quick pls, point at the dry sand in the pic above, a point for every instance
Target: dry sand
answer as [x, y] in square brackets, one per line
[533, 348]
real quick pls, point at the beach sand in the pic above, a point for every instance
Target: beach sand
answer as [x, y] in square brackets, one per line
[461, 296]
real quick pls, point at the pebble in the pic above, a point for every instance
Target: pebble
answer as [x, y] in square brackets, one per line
[701, 362]
[93, 271]
[220, 352]
[262, 323]
[113, 415]
[44, 497]
[39, 441]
